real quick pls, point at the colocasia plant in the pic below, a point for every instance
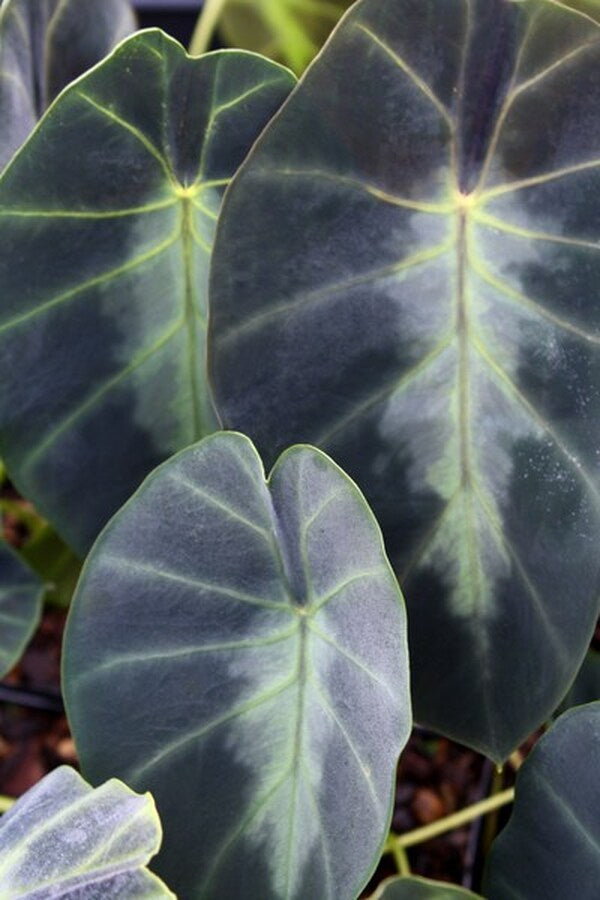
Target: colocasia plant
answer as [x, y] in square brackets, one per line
[277, 357]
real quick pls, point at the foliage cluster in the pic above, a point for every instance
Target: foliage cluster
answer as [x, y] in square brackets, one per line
[277, 356]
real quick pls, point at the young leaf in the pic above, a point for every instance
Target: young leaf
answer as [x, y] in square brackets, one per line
[420, 889]
[44, 46]
[239, 649]
[107, 219]
[406, 274]
[21, 594]
[291, 31]
[550, 849]
[64, 839]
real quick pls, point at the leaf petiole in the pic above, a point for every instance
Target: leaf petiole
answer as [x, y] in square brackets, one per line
[205, 27]
[449, 823]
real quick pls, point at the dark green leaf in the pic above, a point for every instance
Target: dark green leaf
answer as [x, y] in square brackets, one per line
[586, 687]
[21, 594]
[107, 219]
[63, 839]
[420, 889]
[45, 44]
[550, 849]
[239, 649]
[406, 274]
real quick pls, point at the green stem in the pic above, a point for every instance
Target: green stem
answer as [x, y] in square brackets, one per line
[205, 26]
[401, 860]
[449, 823]
[5, 804]
[399, 853]
[491, 823]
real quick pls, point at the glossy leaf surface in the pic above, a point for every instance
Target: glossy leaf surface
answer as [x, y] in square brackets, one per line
[65, 839]
[45, 44]
[21, 594]
[407, 275]
[586, 687]
[291, 31]
[107, 218]
[420, 889]
[243, 656]
[550, 848]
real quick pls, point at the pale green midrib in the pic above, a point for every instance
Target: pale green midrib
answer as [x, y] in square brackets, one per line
[188, 318]
[190, 301]
[297, 746]
[464, 411]
[475, 586]
[462, 330]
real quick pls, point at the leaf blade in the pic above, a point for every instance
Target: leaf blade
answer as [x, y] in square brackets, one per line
[21, 595]
[45, 46]
[270, 723]
[105, 266]
[423, 258]
[556, 801]
[412, 888]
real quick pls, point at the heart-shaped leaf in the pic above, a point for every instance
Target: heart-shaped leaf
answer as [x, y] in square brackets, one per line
[420, 889]
[44, 46]
[291, 31]
[64, 839]
[107, 219]
[550, 849]
[239, 649]
[21, 594]
[406, 274]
